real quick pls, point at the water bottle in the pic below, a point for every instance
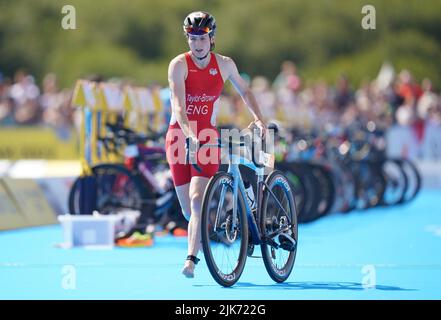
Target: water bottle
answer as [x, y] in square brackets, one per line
[249, 193]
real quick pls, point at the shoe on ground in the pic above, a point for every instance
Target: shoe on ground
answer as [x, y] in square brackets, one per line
[179, 232]
[136, 240]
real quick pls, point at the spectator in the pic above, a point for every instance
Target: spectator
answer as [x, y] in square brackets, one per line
[428, 100]
[407, 88]
[344, 95]
[57, 112]
[287, 77]
[431, 147]
[6, 103]
[25, 93]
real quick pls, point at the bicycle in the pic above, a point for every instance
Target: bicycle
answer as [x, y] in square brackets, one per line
[229, 222]
[142, 183]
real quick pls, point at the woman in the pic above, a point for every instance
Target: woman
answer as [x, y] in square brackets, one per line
[196, 79]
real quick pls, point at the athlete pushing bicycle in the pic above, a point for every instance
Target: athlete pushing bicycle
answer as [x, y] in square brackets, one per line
[196, 80]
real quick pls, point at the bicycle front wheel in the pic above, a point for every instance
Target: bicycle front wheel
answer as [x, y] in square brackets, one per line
[224, 234]
[279, 227]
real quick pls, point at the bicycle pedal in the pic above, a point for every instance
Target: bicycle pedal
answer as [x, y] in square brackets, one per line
[287, 242]
[271, 243]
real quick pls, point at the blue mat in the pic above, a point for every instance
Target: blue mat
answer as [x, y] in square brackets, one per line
[383, 253]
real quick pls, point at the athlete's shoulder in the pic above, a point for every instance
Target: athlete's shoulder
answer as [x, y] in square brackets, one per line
[226, 65]
[223, 59]
[179, 59]
[178, 63]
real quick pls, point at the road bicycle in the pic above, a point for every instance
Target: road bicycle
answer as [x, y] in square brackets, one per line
[142, 183]
[232, 224]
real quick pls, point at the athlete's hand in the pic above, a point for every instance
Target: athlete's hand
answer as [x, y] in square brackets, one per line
[259, 124]
[191, 148]
[192, 141]
[191, 144]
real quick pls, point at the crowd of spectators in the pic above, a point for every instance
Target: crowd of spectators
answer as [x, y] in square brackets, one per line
[24, 103]
[389, 99]
[392, 99]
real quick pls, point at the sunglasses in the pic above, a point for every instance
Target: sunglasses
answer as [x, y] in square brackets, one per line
[197, 31]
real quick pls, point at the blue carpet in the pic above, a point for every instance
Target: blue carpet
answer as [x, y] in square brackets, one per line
[382, 253]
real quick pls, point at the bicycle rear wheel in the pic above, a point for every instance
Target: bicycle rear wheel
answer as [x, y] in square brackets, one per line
[117, 189]
[73, 201]
[323, 176]
[278, 217]
[82, 195]
[396, 182]
[413, 178]
[224, 238]
[370, 183]
[297, 179]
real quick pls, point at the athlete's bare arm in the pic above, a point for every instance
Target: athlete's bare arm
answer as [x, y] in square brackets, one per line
[229, 72]
[176, 77]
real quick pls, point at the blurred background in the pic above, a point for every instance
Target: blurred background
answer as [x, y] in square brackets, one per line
[312, 57]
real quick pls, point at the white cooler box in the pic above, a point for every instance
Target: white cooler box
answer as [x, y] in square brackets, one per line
[94, 231]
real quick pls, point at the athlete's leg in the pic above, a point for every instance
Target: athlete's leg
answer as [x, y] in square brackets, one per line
[183, 193]
[180, 171]
[209, 164]
[197, 188]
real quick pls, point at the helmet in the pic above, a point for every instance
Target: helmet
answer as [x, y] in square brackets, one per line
[199, 23]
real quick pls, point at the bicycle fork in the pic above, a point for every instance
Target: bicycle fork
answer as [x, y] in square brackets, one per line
[252, 219]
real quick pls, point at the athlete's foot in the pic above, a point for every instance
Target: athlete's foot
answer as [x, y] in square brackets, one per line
[188, 270]
[189, 266]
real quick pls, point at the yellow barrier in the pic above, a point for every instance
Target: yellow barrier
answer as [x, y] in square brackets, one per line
[158, 115]
[37, 143]
[85, 97]
[140, 108]
[111, 98]
[10, 215]
[145, 111]
[23, 204]
[141, 104]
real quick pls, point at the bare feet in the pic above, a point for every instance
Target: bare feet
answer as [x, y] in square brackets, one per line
[188, 270]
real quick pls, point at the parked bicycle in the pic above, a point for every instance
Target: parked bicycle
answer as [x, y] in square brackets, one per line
[142, 183]
[232, 223]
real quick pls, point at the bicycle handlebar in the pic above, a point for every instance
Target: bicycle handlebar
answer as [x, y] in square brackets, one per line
[231, 144]
[105, 141]
[130, 136]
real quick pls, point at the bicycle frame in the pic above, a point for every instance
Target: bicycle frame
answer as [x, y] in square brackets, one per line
[238, 186]
[233, 169]
[136, 156]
